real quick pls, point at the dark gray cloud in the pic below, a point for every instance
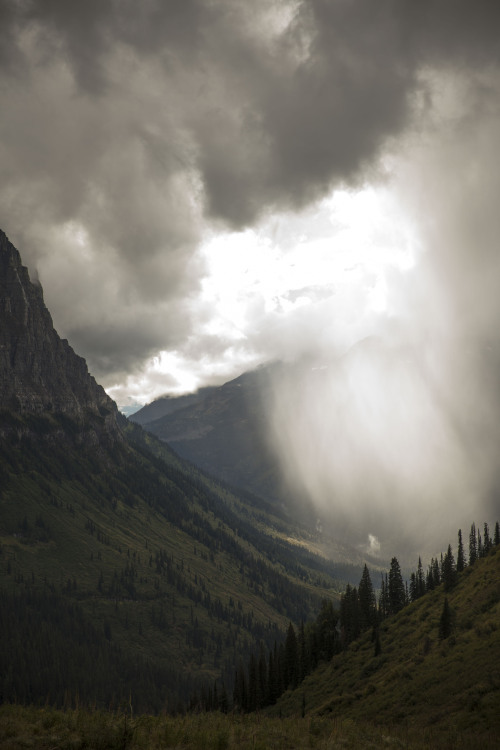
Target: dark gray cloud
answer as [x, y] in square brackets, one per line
[128, 128]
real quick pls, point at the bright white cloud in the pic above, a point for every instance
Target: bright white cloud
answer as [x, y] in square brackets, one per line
[327, 266]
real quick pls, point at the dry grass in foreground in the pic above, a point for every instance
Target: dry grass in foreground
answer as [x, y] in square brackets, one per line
[50, 729]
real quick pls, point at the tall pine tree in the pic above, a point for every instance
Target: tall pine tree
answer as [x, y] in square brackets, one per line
[367, 601]
[472, 545]
[449, 570]
[487, 543]
[383, 599]
[291, 666]
[397, 593]
[445, 621]
[460, 553]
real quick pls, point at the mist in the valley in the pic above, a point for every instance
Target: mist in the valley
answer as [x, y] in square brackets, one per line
[396, 439]
[397, 446]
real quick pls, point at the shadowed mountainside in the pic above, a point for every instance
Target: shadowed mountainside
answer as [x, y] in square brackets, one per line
[223, 430]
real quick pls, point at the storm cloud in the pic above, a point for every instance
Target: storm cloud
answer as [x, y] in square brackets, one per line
[129, 131]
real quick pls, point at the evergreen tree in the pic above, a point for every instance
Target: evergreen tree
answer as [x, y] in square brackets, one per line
[304, 667]
[397, 594]
[413, 587]
[436, 576]
[313, 646]
[326, 631]
[445, 621]
[420, 579]
[460, 553]
[262, 678]
[367, 601]
[272, 680]
[253, 687]
[291, 671]
[472, 545]
[349, 615]
[496, 536]
[223, 702]
[449, 570]
[383, 600]
[275, 680]
[429, 582]
[487, 543]
[282, 684]
[240, 693]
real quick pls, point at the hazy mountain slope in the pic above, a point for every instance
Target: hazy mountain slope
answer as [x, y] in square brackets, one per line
[419, 680]
[225, 431]
[161, 407]
[168, 573]
[370, 443]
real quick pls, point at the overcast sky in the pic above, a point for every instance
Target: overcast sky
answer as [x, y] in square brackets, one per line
[204, 185]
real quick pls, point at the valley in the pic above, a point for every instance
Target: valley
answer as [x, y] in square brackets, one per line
[134, 584]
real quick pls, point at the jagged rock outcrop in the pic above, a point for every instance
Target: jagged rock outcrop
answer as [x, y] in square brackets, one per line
[39, 371]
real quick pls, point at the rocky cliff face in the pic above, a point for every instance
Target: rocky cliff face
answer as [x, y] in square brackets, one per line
[39, 371]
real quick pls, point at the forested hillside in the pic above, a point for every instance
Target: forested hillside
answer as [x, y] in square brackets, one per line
[155, 561]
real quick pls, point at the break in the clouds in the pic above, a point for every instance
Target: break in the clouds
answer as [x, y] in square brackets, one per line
[202, 186]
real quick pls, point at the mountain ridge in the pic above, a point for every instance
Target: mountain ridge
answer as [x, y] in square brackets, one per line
[224, 430]
[39, 371]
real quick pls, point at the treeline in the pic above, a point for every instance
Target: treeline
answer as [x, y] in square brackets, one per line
[359, 609]
[50, 653]
[267, 676]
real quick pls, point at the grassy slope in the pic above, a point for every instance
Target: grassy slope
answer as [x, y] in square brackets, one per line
[418, 681]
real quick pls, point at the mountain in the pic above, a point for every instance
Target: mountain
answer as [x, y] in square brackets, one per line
[39, 371]
[368, 443]
[225, 430]
[165, 405]
[125, 572]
